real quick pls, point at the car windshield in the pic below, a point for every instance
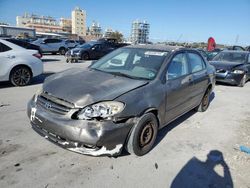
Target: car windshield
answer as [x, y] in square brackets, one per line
[85, 46]
[132, 62]
[231, 56]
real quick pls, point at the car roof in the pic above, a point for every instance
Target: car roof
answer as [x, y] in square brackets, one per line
[236, 51]
[155, 47]
[12, 45]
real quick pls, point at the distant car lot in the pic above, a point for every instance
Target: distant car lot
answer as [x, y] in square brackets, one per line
[27, 159]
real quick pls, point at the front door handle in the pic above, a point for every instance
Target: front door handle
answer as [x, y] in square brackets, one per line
[187, 79]
[10, 56]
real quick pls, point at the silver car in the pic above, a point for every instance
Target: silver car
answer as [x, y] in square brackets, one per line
[52, 45]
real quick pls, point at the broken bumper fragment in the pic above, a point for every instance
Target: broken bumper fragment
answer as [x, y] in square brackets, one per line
[89, 137]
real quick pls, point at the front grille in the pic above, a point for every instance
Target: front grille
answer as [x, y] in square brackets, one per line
[53, 104]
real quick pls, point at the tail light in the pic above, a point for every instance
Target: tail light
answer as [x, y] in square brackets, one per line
[37, 55]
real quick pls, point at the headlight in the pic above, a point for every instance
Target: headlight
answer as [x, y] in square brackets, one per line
[75, 51]
[238, 72]
[38, 92]
[101, 110]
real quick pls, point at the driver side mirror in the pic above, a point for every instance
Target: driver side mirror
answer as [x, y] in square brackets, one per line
[93, 48]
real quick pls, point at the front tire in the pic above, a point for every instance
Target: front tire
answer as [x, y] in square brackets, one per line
[243, 81]
[85, 56]
[20, 76]
[143, 135]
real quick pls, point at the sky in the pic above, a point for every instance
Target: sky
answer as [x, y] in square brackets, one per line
[228, 21]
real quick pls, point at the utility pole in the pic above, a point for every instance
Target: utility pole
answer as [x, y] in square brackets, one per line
[236, 39]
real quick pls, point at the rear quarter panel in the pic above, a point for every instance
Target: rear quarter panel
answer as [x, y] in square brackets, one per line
[22, 58]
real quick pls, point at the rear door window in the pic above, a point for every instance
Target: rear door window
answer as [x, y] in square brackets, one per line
[196, 62]
[55, 40]
[4, 48]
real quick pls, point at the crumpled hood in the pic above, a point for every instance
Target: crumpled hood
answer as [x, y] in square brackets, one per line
[225, 65]
[85, 86]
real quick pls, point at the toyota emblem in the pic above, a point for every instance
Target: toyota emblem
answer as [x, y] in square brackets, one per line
[48, 105]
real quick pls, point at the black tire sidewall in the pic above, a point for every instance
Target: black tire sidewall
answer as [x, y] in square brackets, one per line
[62, 51]
[133, 142]
[243, 81]
[84, 55]
[12, 74]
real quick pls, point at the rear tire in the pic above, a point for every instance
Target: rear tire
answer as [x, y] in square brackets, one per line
[243, 81]
[143, 135]
[62, 51]
[20, 76]
[203, 106]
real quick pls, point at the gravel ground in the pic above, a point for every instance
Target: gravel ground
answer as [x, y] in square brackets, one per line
[179, 159]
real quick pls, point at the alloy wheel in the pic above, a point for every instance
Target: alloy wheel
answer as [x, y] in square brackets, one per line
[21, 76]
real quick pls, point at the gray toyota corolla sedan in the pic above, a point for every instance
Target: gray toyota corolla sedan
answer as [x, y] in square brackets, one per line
[122, 100]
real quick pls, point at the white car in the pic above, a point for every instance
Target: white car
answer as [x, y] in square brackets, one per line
[18, 65]
[53, 46]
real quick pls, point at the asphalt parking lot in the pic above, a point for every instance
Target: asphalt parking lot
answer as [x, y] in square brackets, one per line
[180, 155]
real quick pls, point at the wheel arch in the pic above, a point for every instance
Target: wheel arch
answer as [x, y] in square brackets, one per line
[153, 111]
[210, 86]
[85, 52]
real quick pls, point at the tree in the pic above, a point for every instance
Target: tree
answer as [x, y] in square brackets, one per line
[117, 35]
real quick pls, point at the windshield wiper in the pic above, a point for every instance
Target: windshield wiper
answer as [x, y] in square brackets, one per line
[126, 75]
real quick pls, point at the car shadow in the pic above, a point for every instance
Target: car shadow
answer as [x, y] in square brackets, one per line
[36, 80]
[226, 84]
[83, 61]
[40, 79]
[197, 173]
[49, 60]
[164, 131]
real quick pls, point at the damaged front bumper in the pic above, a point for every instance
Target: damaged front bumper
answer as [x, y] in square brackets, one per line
[90, 137]
[228, 77]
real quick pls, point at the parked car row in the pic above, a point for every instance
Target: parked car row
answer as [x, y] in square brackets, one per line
[92, 50]
[54, 46]
[107, 113]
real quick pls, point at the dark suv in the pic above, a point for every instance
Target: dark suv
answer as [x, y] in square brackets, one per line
[122, 100]
[90, 50]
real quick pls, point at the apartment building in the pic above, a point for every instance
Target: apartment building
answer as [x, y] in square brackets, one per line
[39, 23]
[140, 32]
[66, 24]
[78, 22]
[95, 30]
